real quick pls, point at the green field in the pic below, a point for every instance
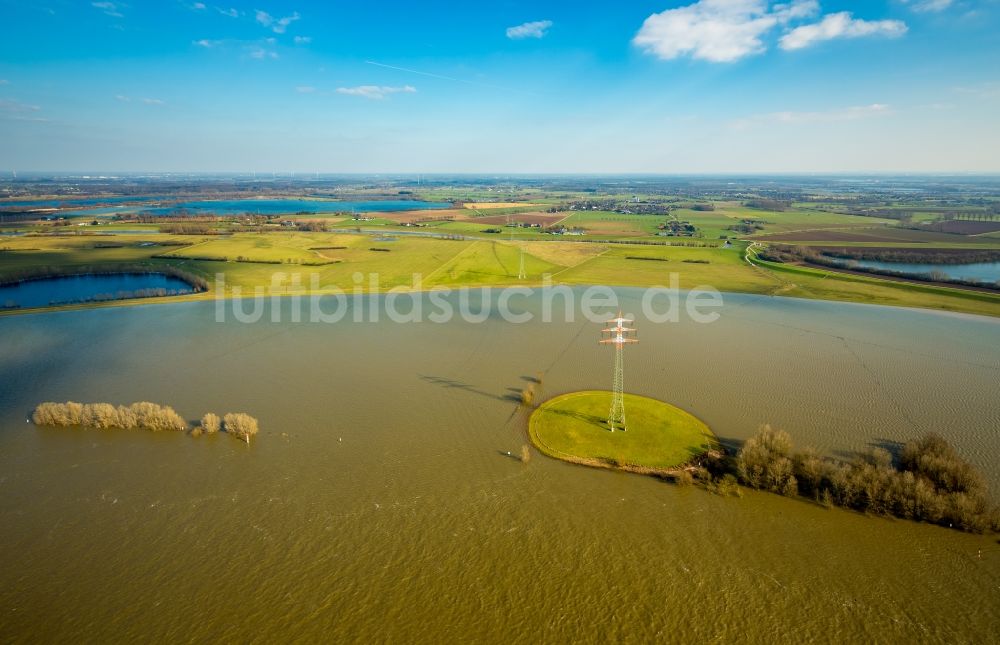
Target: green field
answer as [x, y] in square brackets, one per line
[574, 427]
[336, 259]
[694, 267]
[714, 224]
[605, 224]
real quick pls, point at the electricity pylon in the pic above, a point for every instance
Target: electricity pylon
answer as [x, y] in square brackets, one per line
[521, 273]
[619, 337]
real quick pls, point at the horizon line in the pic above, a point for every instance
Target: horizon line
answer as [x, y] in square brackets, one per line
[264, 174]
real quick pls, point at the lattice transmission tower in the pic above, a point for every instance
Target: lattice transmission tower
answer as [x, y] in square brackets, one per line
[521, 273]
[619, 336]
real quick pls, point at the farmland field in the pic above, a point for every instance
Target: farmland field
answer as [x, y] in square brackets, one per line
[869, 235]
[608, 224]
[541, 219]
[249, 260]
[429, 215]
[484, 206]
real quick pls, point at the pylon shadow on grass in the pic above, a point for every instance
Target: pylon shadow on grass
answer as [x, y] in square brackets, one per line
[580, 416]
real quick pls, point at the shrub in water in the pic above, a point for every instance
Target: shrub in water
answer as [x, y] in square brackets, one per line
[240, 425]
[211, 423]
[104, 415]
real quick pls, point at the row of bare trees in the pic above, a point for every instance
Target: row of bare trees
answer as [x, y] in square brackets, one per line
[142, 415]
[928, 481]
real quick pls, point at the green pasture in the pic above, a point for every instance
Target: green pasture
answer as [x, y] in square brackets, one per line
[574, 427]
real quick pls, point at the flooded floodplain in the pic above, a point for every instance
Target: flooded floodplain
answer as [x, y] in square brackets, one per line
[988, 272]
[153, 205]
[43, 292]
[378, 502]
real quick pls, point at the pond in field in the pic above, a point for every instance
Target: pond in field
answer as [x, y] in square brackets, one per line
[83, 288]
[979, 271]
[95, 212]
[264, 207]
[276, 206]
[76, 201]
[282, 206]
[378, 502]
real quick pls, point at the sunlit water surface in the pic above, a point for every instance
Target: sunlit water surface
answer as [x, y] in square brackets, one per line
[43, 292]
[378, 502]
[979, 271]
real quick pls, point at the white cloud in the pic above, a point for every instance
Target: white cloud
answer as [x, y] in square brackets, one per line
[938, 106]
[232, 13]
[109, 8]
[723, 31]
[259, 49]
[305, 89]
[924, 6]
[717, 30]
[841, 114]
[199, 6]
[277, 25]
[825, 116]
[377, 92]
[146, 101]
[303, 40]
[10, 105]
[840, 25]
[989, 89]
[795, 10]
[536, 29]
[260, 53]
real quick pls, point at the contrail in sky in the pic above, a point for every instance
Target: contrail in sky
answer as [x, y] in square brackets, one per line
[442, 77]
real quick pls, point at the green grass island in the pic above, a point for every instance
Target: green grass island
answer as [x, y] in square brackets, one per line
[660, 439]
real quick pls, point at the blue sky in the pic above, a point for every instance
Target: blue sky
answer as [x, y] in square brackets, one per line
[508, 87]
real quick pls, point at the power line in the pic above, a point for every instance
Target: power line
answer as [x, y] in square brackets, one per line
[620, 335]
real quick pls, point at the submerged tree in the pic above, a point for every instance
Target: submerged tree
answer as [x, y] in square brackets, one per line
[104, 415]
[240, 425]
[211, 423]
[144, 415]
[931, 482]
[765, 462]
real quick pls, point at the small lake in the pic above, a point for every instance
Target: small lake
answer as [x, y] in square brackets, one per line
[94, 212]
[79, 201]
[280, 206]
[68, 289]
[151, 205]
[981, 271]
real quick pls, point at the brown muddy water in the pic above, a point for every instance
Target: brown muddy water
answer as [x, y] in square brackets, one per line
[378, 503]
